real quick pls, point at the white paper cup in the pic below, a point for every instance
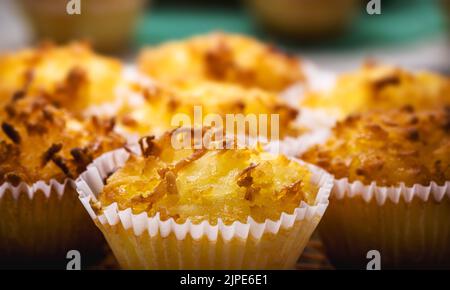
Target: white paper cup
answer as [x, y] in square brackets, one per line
[408, 226]
[142, 242]
[40, 223]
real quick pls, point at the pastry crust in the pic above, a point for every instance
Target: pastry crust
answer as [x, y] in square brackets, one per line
[208, 183]
[41, 142]
[71, 76]
[389, 147]
[381, 87]
[160, 104]
[222, 57]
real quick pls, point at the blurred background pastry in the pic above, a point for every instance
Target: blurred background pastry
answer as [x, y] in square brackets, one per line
[107, 24]
[305, 19]
[395, 36]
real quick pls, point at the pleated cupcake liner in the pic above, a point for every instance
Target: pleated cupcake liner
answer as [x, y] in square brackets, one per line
[408, 226]
[40, 223]
[142, 242]
[344, 188]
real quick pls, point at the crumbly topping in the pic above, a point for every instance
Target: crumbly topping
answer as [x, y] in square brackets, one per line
[70, 76]
[225, 58]
[40, 142]
[389, 147]
[207, 184]
[382, 87]
[163, 102]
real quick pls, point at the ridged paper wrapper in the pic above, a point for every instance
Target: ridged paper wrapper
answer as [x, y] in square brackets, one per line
[408, 226]
[40, 223]
[142, 242]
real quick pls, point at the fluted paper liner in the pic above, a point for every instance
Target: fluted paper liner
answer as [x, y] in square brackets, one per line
[344, 188]
[39, 223]
[409, 226]
[142, 242]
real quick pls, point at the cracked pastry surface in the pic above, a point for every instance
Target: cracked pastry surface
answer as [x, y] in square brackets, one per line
[208, 183]
[160, 103]
[389, 147]
[381, 87]
[224, 58]
[41, 142]
[71, 76]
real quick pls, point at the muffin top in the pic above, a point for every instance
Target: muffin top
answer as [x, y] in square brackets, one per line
[222, 57]
[381, 87]
[389, 147]
[71, 76]
[159, 104]
[207, 183]
[41, 142]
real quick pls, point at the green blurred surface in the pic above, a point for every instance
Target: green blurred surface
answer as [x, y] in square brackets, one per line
[402, 21]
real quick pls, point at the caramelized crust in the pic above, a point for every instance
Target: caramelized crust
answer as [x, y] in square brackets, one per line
[71, 76]
[41, 142]
[382, 87]
[389, 147]
[207, 184]
[161, 103]
[222, 57]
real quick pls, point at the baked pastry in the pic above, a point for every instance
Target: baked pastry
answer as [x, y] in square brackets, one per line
[71, 76]
[305, 19]
[392, 192]
[42, 149]
[200, 201]
[225, 58]
[208, 184]
[162, 107]
[108, 24]
[389, 148]
[380, 87]
[41, 142]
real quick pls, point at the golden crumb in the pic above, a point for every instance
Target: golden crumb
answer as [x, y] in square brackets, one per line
[381, 87]
[41, 142]
[71, 76]
[225, 58]
[207, 184]
[162, 105]
[389, 147]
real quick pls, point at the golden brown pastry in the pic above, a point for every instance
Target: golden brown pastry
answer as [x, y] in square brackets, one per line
[222, 57]
[208, 183]
[389, 147]
[381, 87]
[71, 76]
[161, 104]
[41, 142]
